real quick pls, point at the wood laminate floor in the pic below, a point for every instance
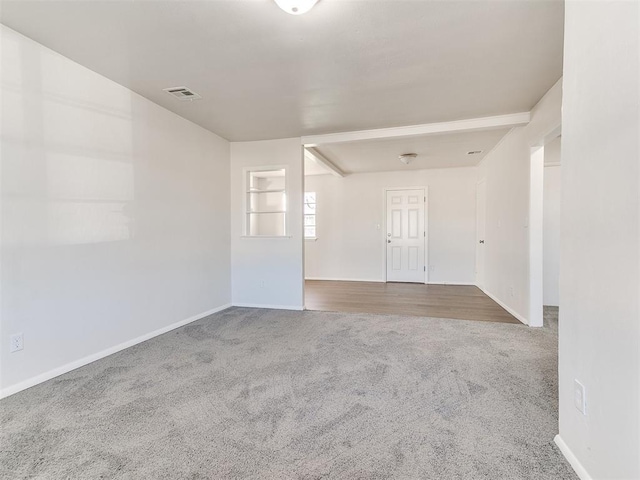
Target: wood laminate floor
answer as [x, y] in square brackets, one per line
[465, 302]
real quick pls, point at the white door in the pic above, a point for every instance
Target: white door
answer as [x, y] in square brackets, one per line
[481, 206]
[406, 236]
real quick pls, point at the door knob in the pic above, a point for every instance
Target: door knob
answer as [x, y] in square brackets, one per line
[388, 241]
[481, 241]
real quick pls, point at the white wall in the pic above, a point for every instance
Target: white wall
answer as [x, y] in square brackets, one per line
[115, 215]
[507, 172]
[551, 228]
[267, 272]
[599, 328]
[552, 152]
[350, 245]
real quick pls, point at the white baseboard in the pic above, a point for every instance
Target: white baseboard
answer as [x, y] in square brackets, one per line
[270, 307]
[332, 279]
[328, 279]
[572, 459]
[43, 377]
[506, 307]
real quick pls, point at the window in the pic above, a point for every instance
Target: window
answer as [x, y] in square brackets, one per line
[310, 215]
[266, 203]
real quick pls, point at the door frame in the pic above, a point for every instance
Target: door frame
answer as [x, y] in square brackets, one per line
[383, 232]
[536, 236]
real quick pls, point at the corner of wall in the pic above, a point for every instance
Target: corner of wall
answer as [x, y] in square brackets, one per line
[268, 272]
[572, 459]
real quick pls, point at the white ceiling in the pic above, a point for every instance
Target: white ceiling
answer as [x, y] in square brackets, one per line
[346, 65]
[434, 151]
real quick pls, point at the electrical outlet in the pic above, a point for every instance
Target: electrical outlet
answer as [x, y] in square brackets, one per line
[579, 397]
[511, 292]
[263, 284]
[16, 342]
[432, 268]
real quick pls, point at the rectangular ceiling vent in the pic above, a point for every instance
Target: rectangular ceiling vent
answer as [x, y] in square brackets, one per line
[182, 93]
[474, 152]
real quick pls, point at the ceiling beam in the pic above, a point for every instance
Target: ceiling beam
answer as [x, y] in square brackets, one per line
[484, 123]
[324, 161]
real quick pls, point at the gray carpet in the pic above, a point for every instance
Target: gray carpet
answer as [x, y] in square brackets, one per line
[299, 395]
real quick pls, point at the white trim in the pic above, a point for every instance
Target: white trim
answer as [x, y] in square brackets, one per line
[270, 307]
[267, 236]
[245, 208]
[553, 164]
[572, 459]
[332, 279]
[43, 377]
[318, 157]
[327, 279]
[505, 306]
[535, 225]
[471, 124]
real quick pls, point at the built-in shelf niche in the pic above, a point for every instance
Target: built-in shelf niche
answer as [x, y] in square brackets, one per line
[265, 202]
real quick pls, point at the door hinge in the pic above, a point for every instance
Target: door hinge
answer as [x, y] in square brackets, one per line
[424, 269]
[425, 199]
[425, 234]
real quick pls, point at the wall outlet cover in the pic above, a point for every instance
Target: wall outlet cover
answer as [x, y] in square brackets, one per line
[16, 342]
[579, 397]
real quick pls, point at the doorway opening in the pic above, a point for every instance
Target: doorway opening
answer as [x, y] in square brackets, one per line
[552, 188]
[397, 230]
[544, 231]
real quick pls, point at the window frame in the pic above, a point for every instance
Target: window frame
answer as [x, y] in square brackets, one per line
[315, 215]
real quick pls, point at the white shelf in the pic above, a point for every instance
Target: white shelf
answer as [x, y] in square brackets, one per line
[270, 211]
[266, 236]
[266, 191]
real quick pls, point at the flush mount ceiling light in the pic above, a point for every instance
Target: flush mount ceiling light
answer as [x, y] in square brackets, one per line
[407, 158]
[296, 7]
